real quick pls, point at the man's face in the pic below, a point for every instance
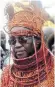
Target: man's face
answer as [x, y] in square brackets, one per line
[22, 46]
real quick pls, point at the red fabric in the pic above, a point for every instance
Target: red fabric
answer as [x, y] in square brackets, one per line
[9, 80]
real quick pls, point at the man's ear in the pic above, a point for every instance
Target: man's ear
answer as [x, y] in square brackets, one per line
[9, 11]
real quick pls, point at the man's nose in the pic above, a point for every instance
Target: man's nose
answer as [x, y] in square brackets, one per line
[18, 44]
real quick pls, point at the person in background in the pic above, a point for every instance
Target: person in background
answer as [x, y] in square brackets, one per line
[4, 51]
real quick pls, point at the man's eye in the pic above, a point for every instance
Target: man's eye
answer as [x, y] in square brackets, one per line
[22, 39]
[36, 37]
[27, 37]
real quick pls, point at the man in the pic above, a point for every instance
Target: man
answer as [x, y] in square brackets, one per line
[4, 51]
[33, 63]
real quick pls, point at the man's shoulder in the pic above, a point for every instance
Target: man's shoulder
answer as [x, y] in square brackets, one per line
[5, 76]
[6, 71]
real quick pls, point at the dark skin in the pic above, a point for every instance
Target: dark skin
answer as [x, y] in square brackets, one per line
[22, 46]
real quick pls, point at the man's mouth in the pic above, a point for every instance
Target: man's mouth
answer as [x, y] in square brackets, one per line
[19, 52]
